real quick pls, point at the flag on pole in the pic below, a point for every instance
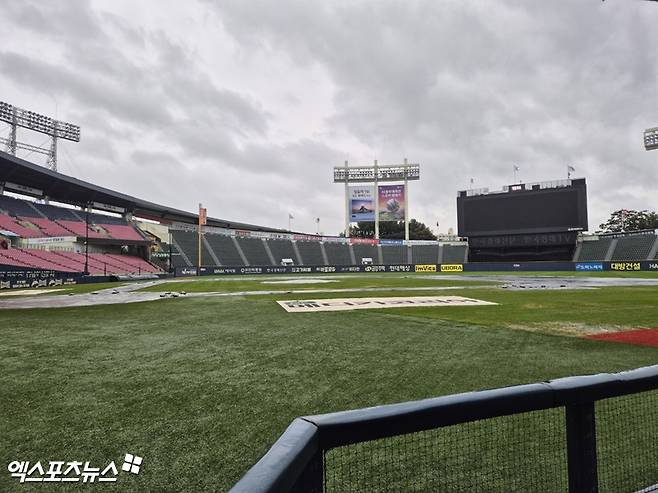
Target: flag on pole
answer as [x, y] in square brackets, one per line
[290, 216]
[571, 169]
[516, 168]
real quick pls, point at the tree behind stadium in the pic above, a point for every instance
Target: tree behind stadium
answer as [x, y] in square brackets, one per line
[391, 230]
[630, 220]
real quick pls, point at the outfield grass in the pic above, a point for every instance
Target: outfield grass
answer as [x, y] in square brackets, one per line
[201, 387]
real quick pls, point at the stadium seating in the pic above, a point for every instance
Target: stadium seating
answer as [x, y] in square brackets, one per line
[633, 247]
[15, 207]
[594, 250]
[282, 249]
[311, 252]
[394, 254]
[365, 251]
[254, 250]
[453, 254]
[49, 227]
[121, 231]
[188, 241]
[24, 230]
[26, 219]
[99, 263]
[55, 213]
[338, 253]
[225, 249]
[425, 254]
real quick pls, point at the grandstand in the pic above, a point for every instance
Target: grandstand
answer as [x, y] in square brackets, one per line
[50, 233]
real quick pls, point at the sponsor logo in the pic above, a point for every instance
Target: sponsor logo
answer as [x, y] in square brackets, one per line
[300, 270]
[452, 268]
[251, 270]
[426, 268]
[589, 266]
[375, 268]
[342, 304]
[625, 266]
[653, 266]
[399, 268]
[325, 269]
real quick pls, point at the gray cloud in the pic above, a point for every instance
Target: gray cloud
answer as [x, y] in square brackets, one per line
[246, 106]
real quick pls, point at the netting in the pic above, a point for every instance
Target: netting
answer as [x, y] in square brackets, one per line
[627, 443]
[524, 452]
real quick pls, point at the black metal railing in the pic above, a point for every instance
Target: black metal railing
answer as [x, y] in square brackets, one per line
[578, 434]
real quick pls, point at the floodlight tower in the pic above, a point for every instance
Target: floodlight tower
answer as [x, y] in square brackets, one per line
[651, 139]
[55, 129]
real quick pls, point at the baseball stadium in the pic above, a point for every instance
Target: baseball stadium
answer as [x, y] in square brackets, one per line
[151, 343]
[514, 356]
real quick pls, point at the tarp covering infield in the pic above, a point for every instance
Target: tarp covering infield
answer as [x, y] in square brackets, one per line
[343, 304]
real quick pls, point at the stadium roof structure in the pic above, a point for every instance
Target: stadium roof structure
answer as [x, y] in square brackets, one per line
[21, 176]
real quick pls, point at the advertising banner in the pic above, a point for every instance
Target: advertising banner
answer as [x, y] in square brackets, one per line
[363, 241]
[362, 203]
[452, 268]
[391, 202]
[425, 267]
[589, 266]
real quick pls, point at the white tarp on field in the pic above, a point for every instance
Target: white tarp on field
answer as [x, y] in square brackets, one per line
[339, 304]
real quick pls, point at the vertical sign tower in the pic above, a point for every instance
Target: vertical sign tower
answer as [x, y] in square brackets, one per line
[370, 202]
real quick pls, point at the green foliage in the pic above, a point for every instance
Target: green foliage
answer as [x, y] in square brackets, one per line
[630, 220]
[391, 230]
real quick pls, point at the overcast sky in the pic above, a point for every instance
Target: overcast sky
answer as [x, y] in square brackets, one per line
[246, 106]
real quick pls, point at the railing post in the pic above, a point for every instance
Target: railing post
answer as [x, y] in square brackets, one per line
[581, 448]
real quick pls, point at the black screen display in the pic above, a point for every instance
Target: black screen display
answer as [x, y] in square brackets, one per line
[524, 211]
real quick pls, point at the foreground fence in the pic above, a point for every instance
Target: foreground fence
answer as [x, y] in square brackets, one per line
[578, 434]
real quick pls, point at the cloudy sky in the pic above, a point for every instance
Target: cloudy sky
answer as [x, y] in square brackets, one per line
[247, 106]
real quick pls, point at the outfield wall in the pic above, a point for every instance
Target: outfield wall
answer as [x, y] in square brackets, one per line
[425, 268]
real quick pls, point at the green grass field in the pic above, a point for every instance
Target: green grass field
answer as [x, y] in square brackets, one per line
[201, 387]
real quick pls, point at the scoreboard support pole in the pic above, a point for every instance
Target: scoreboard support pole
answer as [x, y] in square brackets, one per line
[376, 202]
[347, 202]
[406, 205]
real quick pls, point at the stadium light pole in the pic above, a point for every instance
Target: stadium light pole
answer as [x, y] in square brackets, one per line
[55, 129]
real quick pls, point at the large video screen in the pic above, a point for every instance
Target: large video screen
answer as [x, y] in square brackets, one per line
[524, 211]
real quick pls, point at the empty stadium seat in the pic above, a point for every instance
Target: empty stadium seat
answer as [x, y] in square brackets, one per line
[453, 254]
[282, 249]
[633, 247]
[338, 253]
[425, 254]
[311, 252]
[394, 254]
[225, 249]
[99, 263]
[594, 250]
[254, 250]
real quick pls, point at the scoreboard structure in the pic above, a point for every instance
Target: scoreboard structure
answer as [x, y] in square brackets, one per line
[524, 221]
